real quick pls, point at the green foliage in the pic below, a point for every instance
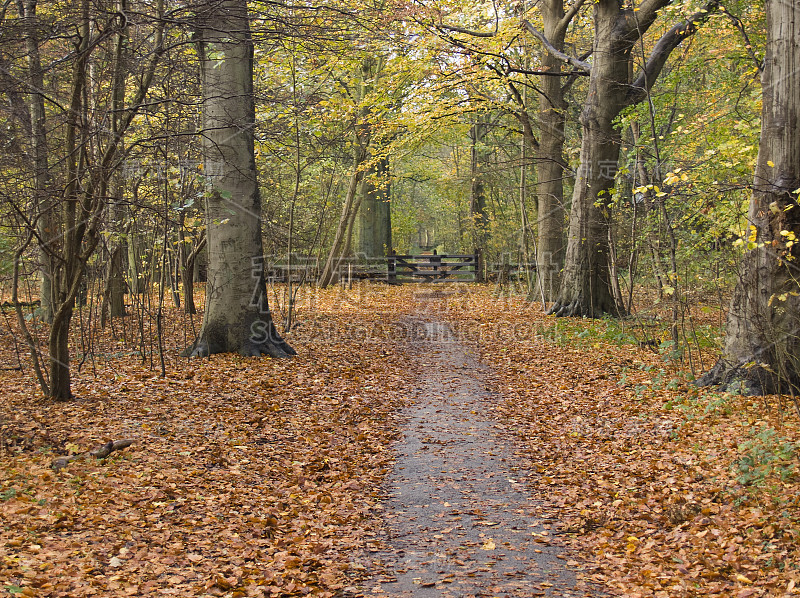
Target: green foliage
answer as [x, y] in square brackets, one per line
[687, 163]
[765, 455]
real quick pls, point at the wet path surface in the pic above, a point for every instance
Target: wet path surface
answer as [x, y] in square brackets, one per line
[460, 520]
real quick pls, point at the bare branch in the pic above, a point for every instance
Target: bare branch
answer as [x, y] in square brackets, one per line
[571, 60]
[570, 14]
[737, 22]
[663, 48]
[454, 29]
[548, 73]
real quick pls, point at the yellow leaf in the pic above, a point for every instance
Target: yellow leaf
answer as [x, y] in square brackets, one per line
[489, 545]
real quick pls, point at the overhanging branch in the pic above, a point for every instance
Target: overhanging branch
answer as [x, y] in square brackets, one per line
[571, 60]
[470, 32]
[570, 14]
[663, 48]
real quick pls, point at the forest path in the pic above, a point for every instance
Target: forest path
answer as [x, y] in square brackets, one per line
[459, 519]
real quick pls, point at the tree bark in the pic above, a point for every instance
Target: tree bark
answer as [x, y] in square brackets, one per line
[187, 277]
[43, 201]
[550, 163]
[374, 225]
[586, 285]
[761, 353]
[237, 316]
[477, 195]
[115, 285]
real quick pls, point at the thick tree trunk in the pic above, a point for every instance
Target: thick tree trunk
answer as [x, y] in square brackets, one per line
[586, 283]
[761, 354]
[43, 201]
[374, 224]
[586, 286]
[187, 280]
[586, 289]
[237, 316]
[551, 217]
[58, 349]
[477, 196]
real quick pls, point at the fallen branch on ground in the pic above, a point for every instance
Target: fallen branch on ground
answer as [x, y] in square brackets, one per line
[99, 453]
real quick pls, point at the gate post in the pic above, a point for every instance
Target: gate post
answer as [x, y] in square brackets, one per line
[391, 268]
[435, 260]
[479, 265]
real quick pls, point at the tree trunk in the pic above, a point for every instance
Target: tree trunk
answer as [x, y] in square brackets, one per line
[237, 316]
[58, 349]
[116, 279]
[375, 217]
[551, 216]
[477, 196]
[329, 272]
[116, 287]
[114, 292]
[761, 354]
[586, 285]
[43, 202]
[549, 148]
[188, 276]
[366, 78]
[187, 280]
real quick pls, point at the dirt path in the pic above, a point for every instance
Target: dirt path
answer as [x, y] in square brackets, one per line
[460, 520]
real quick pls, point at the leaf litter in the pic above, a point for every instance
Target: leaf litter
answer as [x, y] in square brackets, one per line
[258, 477]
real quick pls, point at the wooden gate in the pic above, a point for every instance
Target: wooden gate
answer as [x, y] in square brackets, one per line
[433, 268]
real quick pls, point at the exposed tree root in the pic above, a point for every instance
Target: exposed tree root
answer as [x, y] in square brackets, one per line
[748, 380]
[275, 347]
[578, 308]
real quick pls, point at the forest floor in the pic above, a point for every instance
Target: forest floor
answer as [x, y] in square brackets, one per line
[259, 477]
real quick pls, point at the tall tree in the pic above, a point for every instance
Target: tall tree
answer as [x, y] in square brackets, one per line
[43, 191]
[88, 160]
[366, 76]
[237, 316]
[479, 160]
[114, 294]
[762, 338]
[544, 132]
[549, 146]
[374, 224]
[586, 287]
